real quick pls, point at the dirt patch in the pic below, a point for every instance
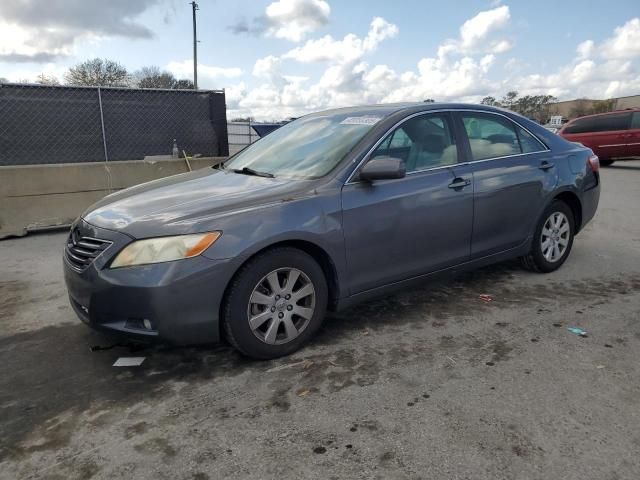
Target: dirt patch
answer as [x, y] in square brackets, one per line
[12, 295]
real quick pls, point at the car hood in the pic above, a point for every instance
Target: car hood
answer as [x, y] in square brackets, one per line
[183, 203]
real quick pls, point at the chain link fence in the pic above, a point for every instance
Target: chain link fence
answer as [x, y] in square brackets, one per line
[58, 124]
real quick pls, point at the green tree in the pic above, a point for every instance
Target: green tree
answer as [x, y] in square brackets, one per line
[533, 106]
[509, 100]
[44, 79]
[491, 101]
[98, 72]
[183, 84]
[153, 77]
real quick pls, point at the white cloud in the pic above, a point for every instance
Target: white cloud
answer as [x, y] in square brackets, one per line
[43, 30]
[350, 48]
[208, 76]
[294, 19]
[30, 75]
[443, 78]
[461, 69]
[21, 44]
[476, 30]
[234, 94]
[348, 79]
[599, 70]
[479, 34]
[379, 30]
[501, 46]
[625, 42]
[583, 78]
[585, 49]
[267, 66]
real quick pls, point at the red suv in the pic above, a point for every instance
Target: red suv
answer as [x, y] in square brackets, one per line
[612, 136]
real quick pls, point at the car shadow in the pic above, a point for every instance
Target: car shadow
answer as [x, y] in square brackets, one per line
[56, 369]
[622, 166]
[48, 372]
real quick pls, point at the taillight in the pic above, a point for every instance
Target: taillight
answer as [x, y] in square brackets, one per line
[594, 163]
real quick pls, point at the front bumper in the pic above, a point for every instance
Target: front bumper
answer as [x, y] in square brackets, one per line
[180, 299]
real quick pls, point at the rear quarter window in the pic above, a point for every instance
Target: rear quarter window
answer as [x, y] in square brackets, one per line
[529, 143]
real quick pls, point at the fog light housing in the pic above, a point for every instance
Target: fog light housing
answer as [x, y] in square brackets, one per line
[139, 324]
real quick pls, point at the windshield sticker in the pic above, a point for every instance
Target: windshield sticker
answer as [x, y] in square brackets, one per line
[360, 120]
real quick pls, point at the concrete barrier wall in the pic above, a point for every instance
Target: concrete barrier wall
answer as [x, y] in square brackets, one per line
[34, 197]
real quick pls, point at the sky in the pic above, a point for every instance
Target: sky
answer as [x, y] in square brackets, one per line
[282, 58]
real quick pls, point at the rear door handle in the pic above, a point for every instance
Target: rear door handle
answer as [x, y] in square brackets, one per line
[460, 183]
[546, 165]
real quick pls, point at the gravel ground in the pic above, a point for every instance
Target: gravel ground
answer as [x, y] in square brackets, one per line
[432, 383]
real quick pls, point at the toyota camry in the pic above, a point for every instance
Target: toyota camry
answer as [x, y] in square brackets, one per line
[331, 209]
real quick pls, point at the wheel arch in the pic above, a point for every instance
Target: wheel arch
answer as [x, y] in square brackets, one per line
[574, 203]
[318, 253]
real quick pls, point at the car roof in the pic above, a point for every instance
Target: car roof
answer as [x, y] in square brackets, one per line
[386, 109]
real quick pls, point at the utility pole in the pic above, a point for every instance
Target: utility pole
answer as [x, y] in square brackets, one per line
[194, 7]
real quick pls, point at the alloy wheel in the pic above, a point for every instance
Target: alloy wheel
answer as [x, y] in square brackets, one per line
[555, 236]
[281, 306]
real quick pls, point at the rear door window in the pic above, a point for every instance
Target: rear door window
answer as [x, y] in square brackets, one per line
[493, 136]
[635, 121]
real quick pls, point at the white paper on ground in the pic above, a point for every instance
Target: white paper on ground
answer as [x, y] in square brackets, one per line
[129, 362]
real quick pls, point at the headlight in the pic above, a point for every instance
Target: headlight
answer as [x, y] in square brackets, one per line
[164, 249]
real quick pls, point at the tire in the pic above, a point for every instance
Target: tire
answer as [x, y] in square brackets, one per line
[541, 259]
[606, 163]
[261, 291]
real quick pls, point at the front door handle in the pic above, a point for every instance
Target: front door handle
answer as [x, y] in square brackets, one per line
[460, 183]
[546, 165]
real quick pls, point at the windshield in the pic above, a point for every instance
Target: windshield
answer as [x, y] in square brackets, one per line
[308, 147]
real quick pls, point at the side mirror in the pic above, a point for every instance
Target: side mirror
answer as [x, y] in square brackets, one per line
[383, 168]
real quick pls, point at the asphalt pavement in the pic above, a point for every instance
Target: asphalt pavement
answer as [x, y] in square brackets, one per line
[431, 383]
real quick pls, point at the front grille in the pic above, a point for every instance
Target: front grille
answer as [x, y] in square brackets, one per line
[82, 251]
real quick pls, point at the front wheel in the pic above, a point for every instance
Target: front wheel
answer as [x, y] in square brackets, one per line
[275, 303]
[553, 239]
[606, 163]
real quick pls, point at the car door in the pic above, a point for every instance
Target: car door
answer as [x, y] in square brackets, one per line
[611, 134]
[634, 136]
[402, 228]
[513, 174]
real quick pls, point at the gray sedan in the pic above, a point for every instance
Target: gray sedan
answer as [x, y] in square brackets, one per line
[331, 209]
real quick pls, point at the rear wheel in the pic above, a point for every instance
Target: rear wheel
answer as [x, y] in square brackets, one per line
[606, 163]
[276, 302]
[553, 239]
